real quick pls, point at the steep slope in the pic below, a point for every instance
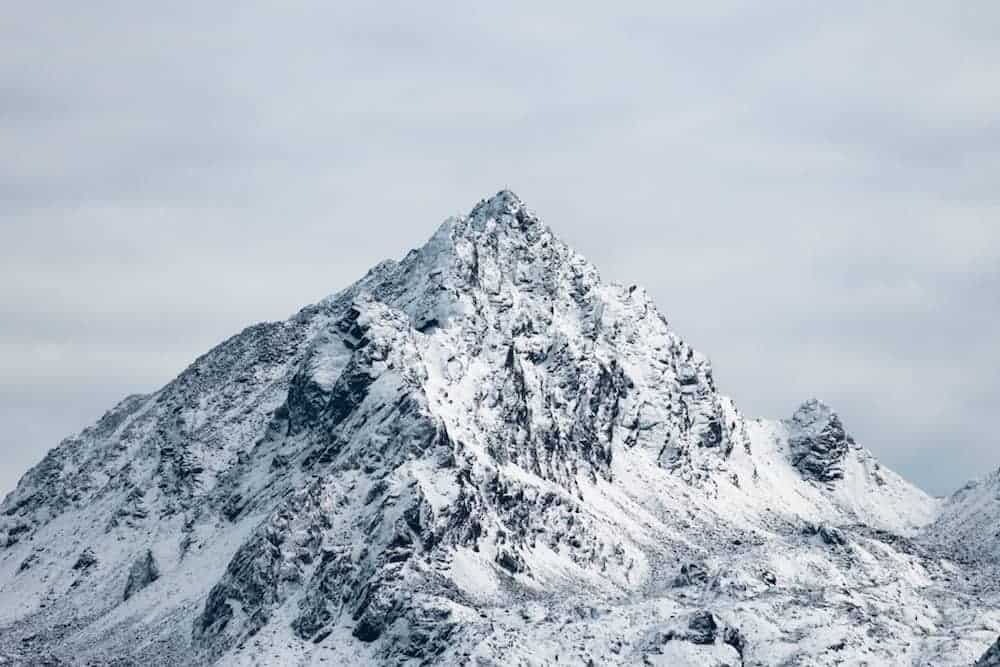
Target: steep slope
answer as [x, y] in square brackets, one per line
[968, 525]
[991, 658]
[966, 531]
[482, 452]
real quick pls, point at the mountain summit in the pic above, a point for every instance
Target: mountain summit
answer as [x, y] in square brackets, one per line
[480, 454]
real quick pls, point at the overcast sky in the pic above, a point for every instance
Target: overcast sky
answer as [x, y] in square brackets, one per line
[809, 190]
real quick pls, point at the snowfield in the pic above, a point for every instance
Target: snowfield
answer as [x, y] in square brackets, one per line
[483, 454]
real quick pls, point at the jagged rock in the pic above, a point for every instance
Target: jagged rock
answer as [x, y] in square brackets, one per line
[14, 534]
[703, 627]
[28, 563]
[818, 442]
[86, 560]
[692, 574]
[733, 637]
[143, 573]
[828, 535]
[510, 561]
[234, 505]
[991, 658]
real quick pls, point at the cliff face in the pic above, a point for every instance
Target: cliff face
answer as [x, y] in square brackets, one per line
[479, 452]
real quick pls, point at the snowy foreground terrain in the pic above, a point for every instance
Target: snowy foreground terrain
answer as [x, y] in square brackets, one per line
[482, 454]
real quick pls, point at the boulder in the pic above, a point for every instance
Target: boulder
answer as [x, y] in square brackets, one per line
[703, 628]
[144, 572]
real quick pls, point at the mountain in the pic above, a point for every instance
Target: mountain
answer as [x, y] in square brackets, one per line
[969, 522]
[480, 454]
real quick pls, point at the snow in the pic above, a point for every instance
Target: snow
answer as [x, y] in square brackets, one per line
[474, 574]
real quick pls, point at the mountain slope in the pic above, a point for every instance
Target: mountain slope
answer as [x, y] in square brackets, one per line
[969, 521]
[481, 452]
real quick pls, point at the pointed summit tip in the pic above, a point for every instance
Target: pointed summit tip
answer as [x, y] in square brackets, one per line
[506, 197]
[504, 203]
[815, 404]
[813, 410]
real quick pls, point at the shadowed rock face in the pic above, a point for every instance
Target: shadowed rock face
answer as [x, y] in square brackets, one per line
[143, 573]
[818, 442]
[86, 561]
[991, 658]
[703, 628]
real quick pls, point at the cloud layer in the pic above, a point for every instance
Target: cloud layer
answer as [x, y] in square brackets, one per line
[808, 189]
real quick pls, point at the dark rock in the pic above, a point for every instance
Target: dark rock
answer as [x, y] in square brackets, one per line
[703, 627]
[14, 534]
[428, 326]
[233, 507]
[733, 637]
[143, 573]
[510, 561]
[27, 563]
[991, 658]
[712, 436]
[279, 462]
[86, 561]
[691, 574]
[818, 442]
[828, 535]
[367, 630]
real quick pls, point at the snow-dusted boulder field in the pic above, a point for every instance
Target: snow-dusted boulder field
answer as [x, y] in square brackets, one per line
[483, 454]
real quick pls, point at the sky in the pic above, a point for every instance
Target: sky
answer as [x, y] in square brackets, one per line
[809, 190]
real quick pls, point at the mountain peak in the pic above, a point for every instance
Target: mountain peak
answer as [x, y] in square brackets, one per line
[504, 208]
[812, 411]
[503, 202]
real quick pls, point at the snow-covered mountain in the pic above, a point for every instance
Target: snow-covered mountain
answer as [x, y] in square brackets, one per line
[969, 521]
[480, 454]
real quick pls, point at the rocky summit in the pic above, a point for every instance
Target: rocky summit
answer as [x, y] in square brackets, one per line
[483, 454]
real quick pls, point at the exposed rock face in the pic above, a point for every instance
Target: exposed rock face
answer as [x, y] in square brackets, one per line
[144, 572]
[86, 561]
[692, 574]
[479, 454]
[991, 658]
[818, 442]
[703, 627]
[827, 535]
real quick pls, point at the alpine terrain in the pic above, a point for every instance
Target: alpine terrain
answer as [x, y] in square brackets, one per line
[483, 454]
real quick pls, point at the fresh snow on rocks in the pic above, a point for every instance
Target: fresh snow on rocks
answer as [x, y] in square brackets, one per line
[482, 454]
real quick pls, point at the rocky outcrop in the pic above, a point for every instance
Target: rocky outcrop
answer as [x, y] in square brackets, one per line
[85, 561]
[703, 628]
[828, 535]
[144, 572]
[692, 574]
[991, 658]
[818, 442]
